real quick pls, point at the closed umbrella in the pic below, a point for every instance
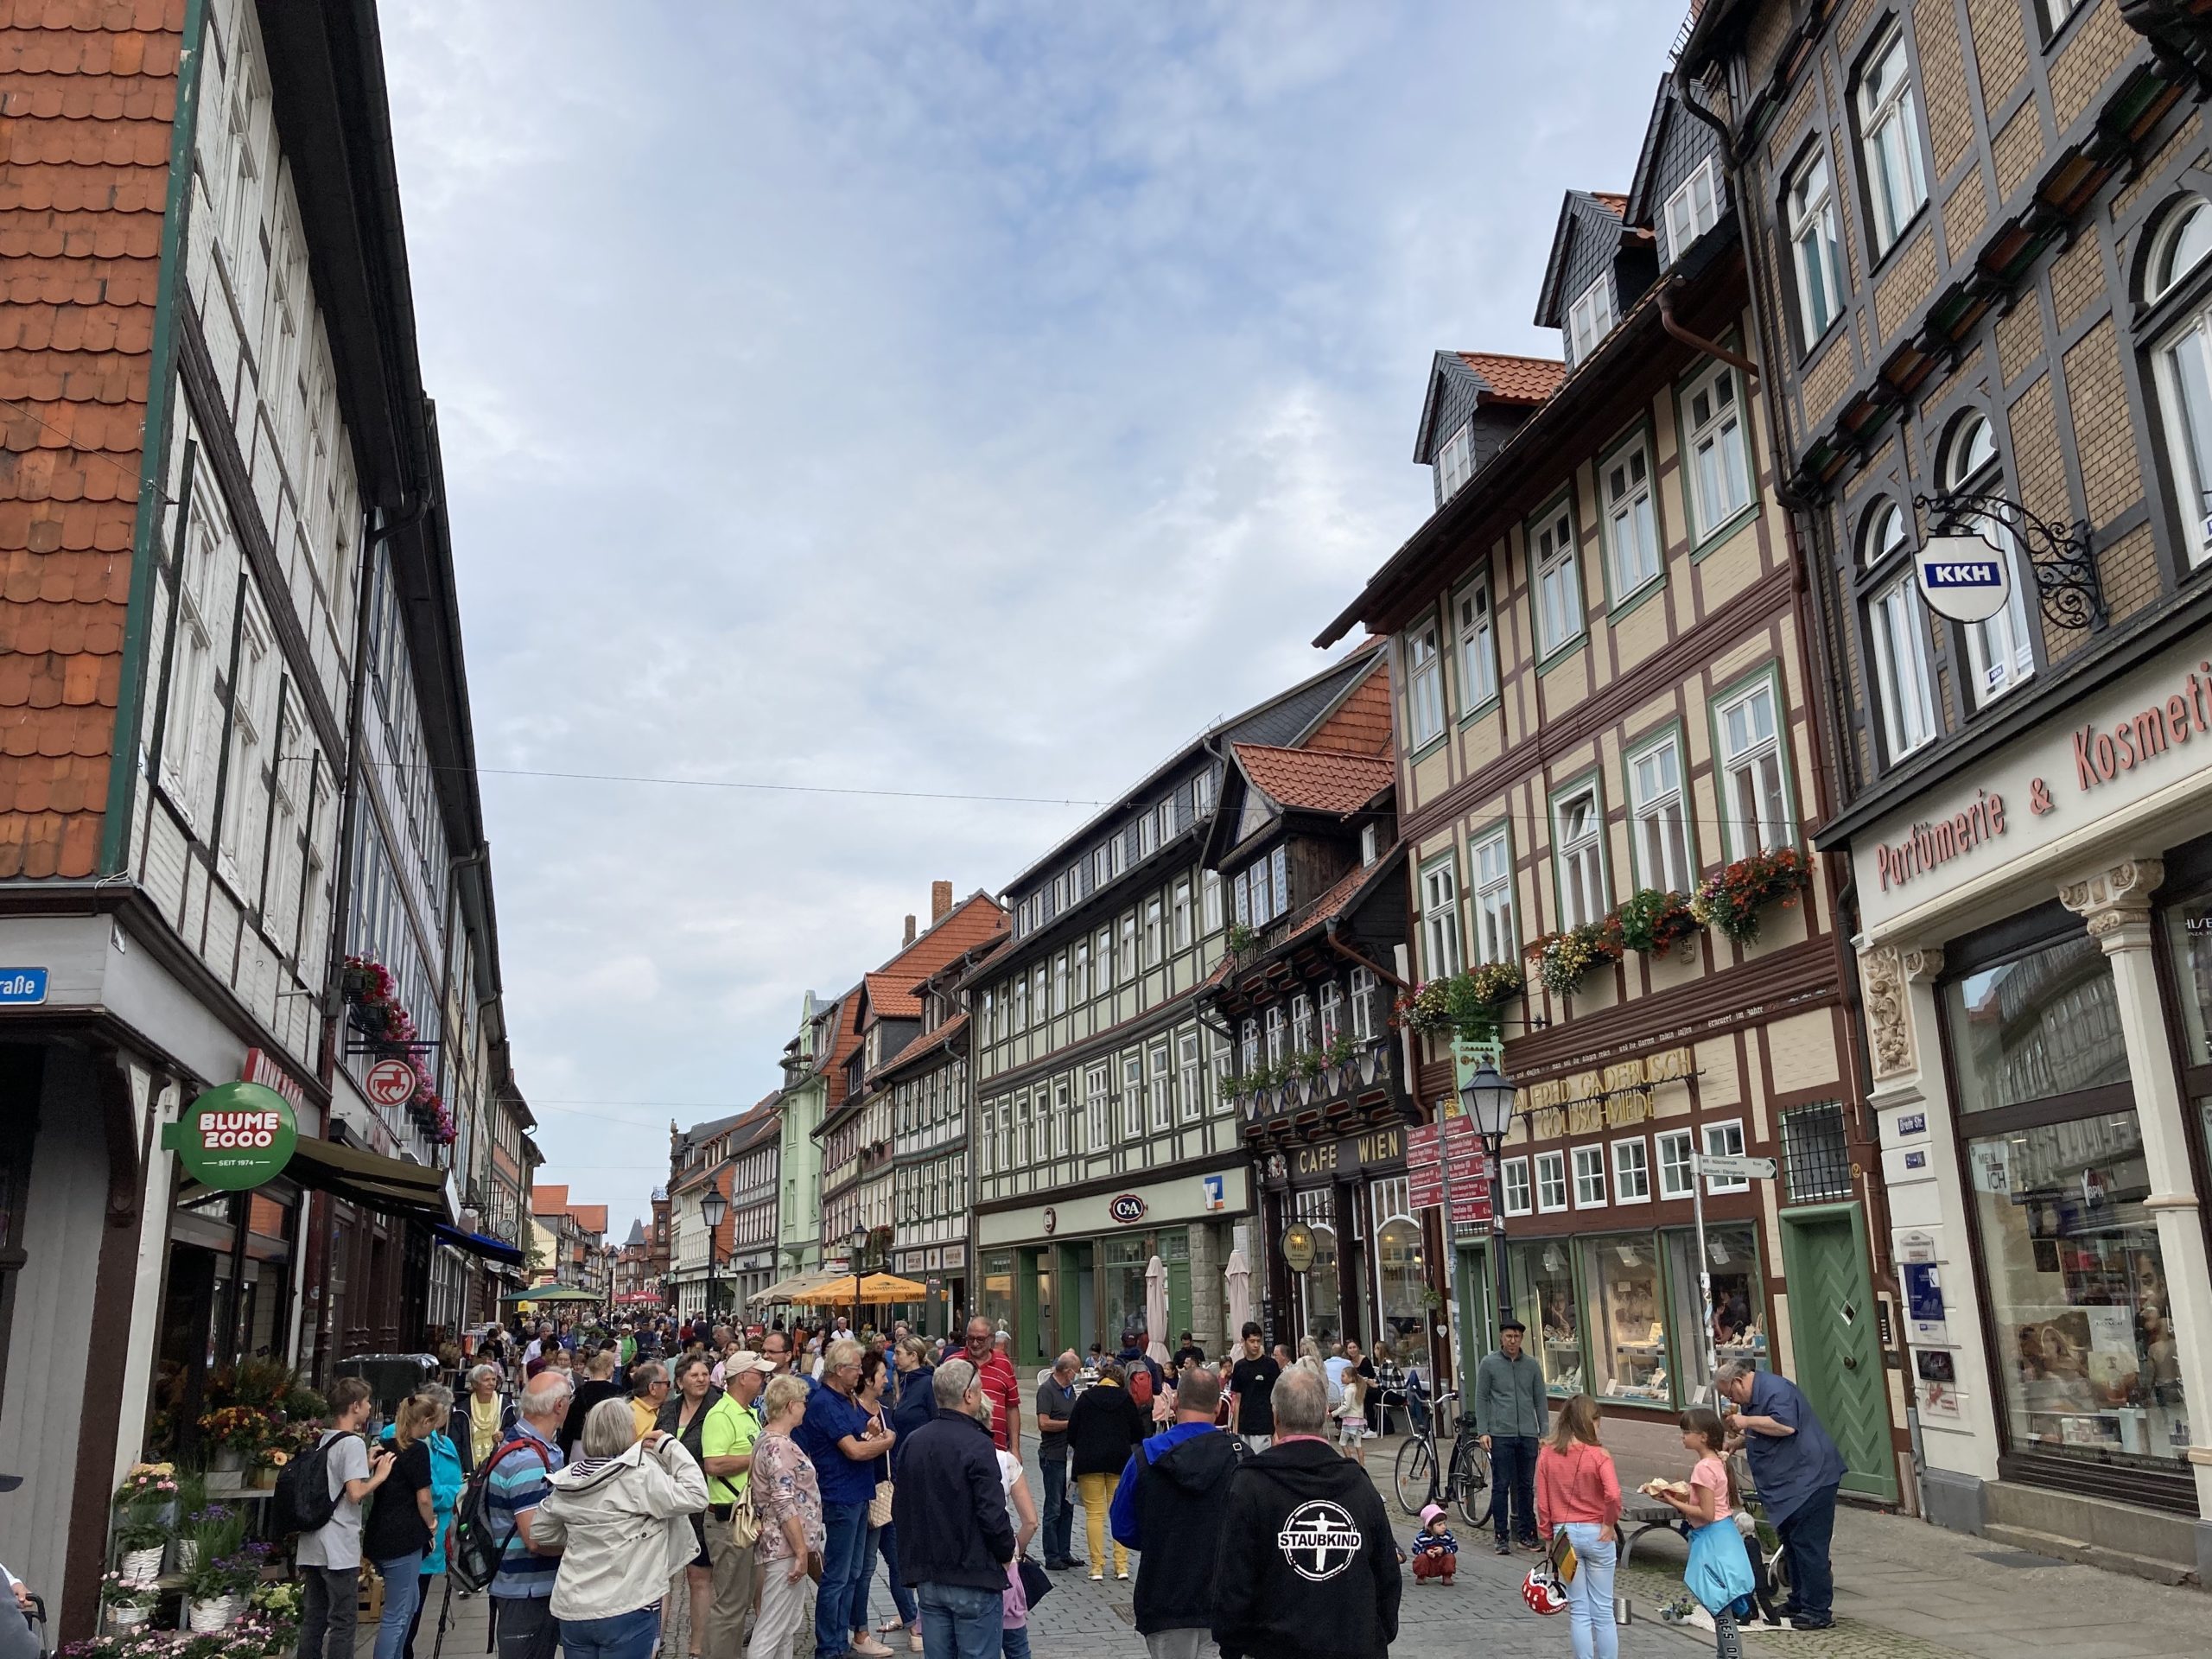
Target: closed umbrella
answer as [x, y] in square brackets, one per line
[1239, 1277]
[1156, 1309]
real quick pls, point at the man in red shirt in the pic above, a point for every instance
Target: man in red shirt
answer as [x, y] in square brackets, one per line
[995, 1374]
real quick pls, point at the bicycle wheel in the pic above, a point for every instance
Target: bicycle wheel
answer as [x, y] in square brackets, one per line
[1470, 1481]
[1413, 1474]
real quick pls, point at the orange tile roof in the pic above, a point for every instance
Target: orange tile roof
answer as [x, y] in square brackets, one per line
[890, 988]
[1361, 724]
[1514, 379]
[1320, 780]
[91, 96]
[1612, 201]
[548, 1200]
[592, 1217]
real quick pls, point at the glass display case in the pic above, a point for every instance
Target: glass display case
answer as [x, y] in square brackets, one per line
[1628, 1349]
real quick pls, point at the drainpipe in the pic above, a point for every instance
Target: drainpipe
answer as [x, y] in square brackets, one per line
[1373, 967]
[1698, 342]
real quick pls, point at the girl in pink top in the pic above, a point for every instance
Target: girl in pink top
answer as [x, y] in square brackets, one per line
[1720, 1572]
[1579, 1493]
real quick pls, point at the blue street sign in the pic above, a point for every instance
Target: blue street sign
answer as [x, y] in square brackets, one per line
[22, 987]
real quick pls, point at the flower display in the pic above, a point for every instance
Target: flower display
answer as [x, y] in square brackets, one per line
[1461, 1005]
[156, 1480]
[1654, 923]
[373, 997]
[242, 1429]
[1563, 959]
[1731, 899]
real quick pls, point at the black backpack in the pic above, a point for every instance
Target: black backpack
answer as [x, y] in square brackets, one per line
[303, 1500]
[474, 1543]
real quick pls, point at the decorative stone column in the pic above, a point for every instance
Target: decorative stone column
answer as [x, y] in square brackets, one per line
[2116, 903]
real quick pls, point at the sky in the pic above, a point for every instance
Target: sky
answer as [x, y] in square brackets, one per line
[949, 400]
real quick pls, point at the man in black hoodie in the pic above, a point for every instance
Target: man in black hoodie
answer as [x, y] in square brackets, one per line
[955, 1535]
[1307, 1569]
[1171, 1507]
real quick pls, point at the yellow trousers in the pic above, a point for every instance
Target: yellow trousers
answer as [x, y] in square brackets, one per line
[1097, 1494]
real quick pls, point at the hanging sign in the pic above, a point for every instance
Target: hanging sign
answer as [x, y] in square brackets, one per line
[1962, 577]
[1298, 1247]
[236, 1136]
[389, 1082]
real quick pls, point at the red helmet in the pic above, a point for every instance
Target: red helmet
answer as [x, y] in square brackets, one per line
[1541, 1591]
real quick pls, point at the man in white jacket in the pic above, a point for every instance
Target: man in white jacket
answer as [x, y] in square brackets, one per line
[620, 1517]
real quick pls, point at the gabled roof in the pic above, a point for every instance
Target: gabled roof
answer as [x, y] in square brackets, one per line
[952, 973]
[925, 1047]
[1485, 379]
[891, 988]
[1582, 214]
[1640, 209]
[1359, 722]
[1316, 780]
[549, 1200]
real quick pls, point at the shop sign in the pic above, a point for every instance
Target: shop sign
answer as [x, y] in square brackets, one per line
[1298, 1247]
[22, 987]
[1214, 1192]
[1962, 577]
[234, 1137]
[1357, 1152]
[259, 1068]
[389, 1082]
[1126, 1208]
[1051, 1220]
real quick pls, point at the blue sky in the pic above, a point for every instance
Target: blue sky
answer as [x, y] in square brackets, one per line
[975, 399]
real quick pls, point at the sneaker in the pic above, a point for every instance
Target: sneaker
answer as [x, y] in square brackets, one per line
[1098, 1578]
[1505, 1548]
[1121, 1572]
[1799, 1622]
[1532, 1546]
[871, 1648]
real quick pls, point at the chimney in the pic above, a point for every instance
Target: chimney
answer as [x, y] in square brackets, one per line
[940, 901]
[910, 929]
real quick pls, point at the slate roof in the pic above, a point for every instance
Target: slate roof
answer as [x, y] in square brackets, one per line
[1319, 780]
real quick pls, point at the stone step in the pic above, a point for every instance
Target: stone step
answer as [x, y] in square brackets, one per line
[2071, 1550]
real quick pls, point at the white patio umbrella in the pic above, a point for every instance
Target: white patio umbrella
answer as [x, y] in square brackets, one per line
[1239, 1278]
[1156, 1309]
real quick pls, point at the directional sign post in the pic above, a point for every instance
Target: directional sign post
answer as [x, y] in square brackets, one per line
[1726, 1167]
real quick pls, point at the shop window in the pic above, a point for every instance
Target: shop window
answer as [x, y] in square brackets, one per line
[1589, 1178]
[996, 1303]
[1318, 1291]
[2001, 650]
[1543, 1277]
[1629, 1350]
[1816, 1156]
[1739, 1309]
[1551, 1181]
[1519, 1200]
[2043, 1024]
[1725, 1141]
[1122, 1265]
[1402, 1277]
[1631, 1172]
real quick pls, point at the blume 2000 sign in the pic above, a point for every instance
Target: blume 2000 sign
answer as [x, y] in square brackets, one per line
[223, 1130]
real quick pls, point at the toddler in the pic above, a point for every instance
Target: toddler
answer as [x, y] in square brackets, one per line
[1436, 1552]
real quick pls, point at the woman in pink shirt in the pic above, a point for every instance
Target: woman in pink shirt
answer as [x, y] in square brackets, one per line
[1578, 1492]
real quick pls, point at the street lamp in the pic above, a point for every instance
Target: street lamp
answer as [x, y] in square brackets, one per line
[860, 1246]
[712, 1208]
[1487, 1098]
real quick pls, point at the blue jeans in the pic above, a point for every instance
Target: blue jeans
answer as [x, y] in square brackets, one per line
[1590, 1595]
[887, 1545]
[1014, 1644]
[625, 1636]
[403, 1594]
[960, 1622]
[1059, 1514]
[1513, 1485]
[1805, 1539]
[845, 1559]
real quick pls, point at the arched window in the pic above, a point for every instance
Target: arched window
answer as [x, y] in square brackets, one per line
[2182, 364]
[2001, 650]
[1897, 625]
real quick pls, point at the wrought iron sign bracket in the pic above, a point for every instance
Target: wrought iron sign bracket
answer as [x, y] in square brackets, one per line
[2069, 589]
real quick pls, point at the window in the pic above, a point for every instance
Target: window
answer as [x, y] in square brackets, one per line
[1182, 914]
[1755, 804]
[2183, 369]
[1518, 1199]
[1590, 319]
[1694, 209]
[1371, 843]
[1589, 1178]
[1424, 673]
[1493, 868]
[1131, 967]
[1278, 1036]
[1581, 834]
[1166, 821]
[1094, 1107]
[1202, 795]
[1720, 479]
[1899, 628]
[1249, 1045]
[1099, 868]
[1301, 1024]
[1192, 1073]
[1455, 463]
[1063, 1120]
[1815, 247]
[1279, 860]
[1059, 894]
[1477, 645]
[1037, 994]
[1631, 529]
[1210, 901]
[1146, 827]
[1242, 898]
[1082, 970]
[1118, 854]
[1105, 950]
[1551, 1181]
[1889, 130]
[2055, 14]
[1440, 909]
[1558, 590]
[1363, 1004]
[1662, 848]
[1332, 1012]
[1162, 1091]
[1022, 1003]
[1725, 1141]
[2000, 651]
[1060, 983]
[1256, 880]
[1153, 952]
[1631, 1172]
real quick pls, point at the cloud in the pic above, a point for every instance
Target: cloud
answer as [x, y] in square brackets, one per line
[966, 399]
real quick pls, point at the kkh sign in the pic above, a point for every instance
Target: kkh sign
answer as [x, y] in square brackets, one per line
[1962, 577]
[236, 1136]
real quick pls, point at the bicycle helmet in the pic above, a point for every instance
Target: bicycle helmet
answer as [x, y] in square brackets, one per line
[1542, 1591]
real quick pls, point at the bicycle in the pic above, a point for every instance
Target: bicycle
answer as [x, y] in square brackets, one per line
[1466, 1477]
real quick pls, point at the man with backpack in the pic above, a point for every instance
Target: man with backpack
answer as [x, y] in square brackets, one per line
[1170, 1507]
[331, 1481]
[519, 1478]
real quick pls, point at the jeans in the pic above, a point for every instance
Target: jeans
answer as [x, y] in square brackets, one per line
[1590, 1595]
[1015, 1643]
[1197, 1643]
[623, 1636]
[329, 1611]
[403, 1593]
[527, 1626]
[887, 1545]
[844, 1558]
[1513, 1484]
[1059, 1514]
[1805, 1539]
[961, 1622]
[1098, 1496]
[423, 1586]
[724, 1637]
[863, 1577]
[783, 1609]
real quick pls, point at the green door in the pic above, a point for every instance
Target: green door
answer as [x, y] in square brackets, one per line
[1476, 1313]
[1835, 1346]
[1179, 1304]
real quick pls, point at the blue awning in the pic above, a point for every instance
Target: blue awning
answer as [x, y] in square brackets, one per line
[492, 1249]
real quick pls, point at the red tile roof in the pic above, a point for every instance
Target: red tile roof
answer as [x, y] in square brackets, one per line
[1361, 724]
[1319, 780]
[1514, 379]
[890, 988]
[1613, 203]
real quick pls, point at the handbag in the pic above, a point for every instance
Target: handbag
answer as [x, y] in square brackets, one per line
[879, 1507]
[1036, 1582]
[744, 1523]
[1562, 1556]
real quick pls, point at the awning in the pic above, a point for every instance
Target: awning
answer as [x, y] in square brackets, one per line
[785, 1289]
[876, 1288]
[391, 1186]
[492, 1249]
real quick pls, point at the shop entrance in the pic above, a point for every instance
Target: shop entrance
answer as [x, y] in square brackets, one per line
[1033, 1326]
[1079, 1326]
[1838, 1348]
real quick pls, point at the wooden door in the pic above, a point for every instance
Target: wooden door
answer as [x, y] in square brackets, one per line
[1835, 1346]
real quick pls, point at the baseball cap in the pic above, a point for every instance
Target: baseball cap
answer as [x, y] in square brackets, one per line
[746, 1360]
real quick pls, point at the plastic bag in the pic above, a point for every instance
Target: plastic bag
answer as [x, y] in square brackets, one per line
[1719, 1571]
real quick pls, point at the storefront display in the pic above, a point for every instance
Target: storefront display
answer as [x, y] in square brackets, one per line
[1545, 1300]
[2044, 1024]
[1401, 1266]
[996, 1303]
[1319, 1289]
[1627, 1337]
[1739, 1303]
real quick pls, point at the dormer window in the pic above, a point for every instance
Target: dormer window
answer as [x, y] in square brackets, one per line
[1591, 319]
[1371, 843]
[1455, 464]
[1694, 209]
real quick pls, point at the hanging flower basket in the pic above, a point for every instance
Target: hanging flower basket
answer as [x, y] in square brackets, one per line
[1563, 960]
[1654, 923]
[1733, 900]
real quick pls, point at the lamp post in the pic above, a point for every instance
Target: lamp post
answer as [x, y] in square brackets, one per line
[1487, 1098]
[859, 1248]
[712, 1208]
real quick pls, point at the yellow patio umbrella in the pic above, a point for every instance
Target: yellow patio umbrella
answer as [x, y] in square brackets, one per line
[875, 1287]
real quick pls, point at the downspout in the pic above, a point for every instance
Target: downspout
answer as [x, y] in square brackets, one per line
[1329, 929]
[138, 617]
[1735, 361]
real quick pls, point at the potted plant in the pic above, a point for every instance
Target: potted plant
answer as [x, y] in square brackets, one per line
[130, 1601]
[1563, 959]
[141, 1537]
[157, 1481]
[1654, 923]
[1425, 1010]
[1731, 899]
[1474, 1002]
[235, 1433]
[208, 1534]
[1242, 941]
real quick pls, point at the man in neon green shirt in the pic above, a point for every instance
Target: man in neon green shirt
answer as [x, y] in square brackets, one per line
[726, 1453]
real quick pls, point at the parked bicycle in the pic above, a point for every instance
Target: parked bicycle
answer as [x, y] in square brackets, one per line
[1422, 1475]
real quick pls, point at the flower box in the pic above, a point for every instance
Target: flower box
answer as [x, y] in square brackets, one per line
[1731, 900]
[1564, 960]
[1653, 923]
